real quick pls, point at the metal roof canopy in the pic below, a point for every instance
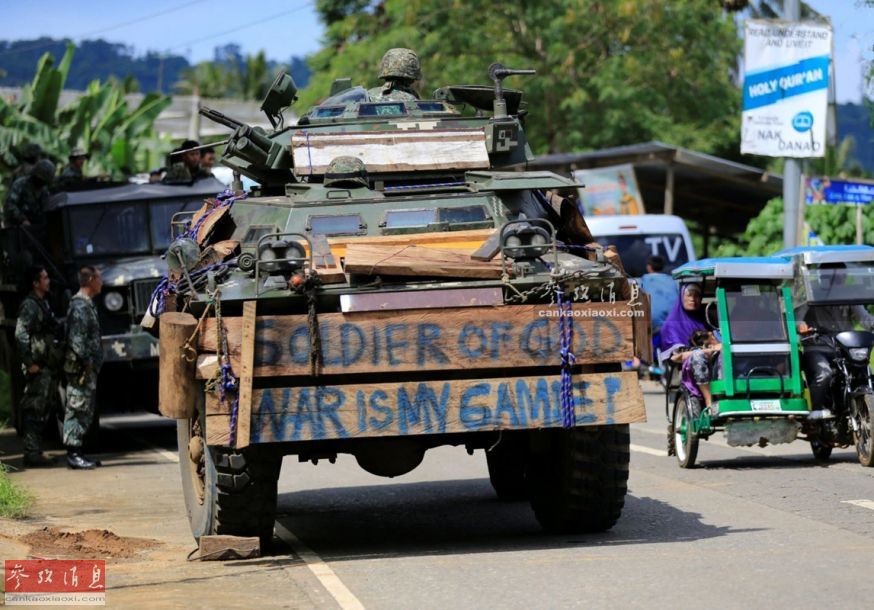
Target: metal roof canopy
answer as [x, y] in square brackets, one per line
[710, 191]
[760, 268]
[820, 255]
[204, 187]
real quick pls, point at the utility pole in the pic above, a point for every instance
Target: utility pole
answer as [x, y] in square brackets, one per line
[792, 166]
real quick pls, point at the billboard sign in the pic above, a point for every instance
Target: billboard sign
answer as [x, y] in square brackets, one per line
[609, 190]
[785, 88]
[835, 191]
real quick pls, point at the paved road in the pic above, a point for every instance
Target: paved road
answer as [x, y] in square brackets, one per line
[749, 528]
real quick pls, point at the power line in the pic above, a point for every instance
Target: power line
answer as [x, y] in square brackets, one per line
[239, 27]
[108, 28]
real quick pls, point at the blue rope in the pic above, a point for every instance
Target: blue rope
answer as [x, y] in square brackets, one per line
[230, 384]
[225, 199]
[566, 334]
[309, 153]
[165, 286]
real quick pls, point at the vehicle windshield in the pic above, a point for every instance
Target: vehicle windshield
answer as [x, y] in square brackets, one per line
[755, 314]
[160, 216]
[355, 94]
[118, 228]
[634, 250]
[839, 283]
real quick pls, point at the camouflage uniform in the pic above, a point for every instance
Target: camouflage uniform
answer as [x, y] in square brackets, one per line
[35, 336]
[70, 176]
[27, 200]
[23, 169]
[399, 69]
[82, 362]
[178, 173]
[392, 91]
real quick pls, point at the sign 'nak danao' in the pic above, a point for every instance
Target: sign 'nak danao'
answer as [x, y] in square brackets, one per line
[785, 88]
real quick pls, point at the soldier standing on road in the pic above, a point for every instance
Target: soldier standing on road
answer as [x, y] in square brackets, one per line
[82, 362]
[72, 174]
[399, 69]
[36, 336]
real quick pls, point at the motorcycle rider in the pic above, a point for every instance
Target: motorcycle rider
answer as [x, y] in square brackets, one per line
[819, 352]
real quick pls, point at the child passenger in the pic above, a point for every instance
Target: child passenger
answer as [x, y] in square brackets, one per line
[698, 365]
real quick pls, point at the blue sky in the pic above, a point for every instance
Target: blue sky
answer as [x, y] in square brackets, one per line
[283, 28]
[191, 28]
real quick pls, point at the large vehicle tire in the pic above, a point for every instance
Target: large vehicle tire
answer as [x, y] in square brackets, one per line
[685, 441]
[578, 484]
[864, 436]
[226, 491]
[506, 462]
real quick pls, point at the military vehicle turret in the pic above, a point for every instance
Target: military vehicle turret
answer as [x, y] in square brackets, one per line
[394, 285]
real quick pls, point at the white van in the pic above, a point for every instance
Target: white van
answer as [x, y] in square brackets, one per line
[640, 236]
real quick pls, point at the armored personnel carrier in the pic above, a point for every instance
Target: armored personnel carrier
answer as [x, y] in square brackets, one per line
[396, 284]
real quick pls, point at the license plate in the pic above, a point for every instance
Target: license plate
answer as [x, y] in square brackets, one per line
[765, 405]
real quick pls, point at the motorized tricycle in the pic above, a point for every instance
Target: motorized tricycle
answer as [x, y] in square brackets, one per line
[756, 384]
[832, 287]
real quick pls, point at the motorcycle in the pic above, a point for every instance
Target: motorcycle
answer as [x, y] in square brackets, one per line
[852, 396]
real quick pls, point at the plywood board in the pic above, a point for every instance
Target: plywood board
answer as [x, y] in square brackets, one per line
[411, 150]
[430, 407]
[247, 372]
[431, 339]
[643, 326]
[419, 261]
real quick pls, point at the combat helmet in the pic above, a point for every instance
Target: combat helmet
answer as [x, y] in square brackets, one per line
[31, 152]
[43, 170]
[400, 64]
[346, 171]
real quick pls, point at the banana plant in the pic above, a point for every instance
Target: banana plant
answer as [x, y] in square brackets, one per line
[120, 140]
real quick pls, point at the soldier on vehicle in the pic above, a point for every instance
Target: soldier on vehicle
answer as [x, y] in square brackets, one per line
[36, 337]
[347, 172]
[186, 170]
[28, 196]
[82, 362]
[29, 155]
[207, 160]
[399, 69]
[72, 173]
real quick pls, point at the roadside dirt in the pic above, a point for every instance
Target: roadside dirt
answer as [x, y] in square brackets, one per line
[88, 544]
[130, 512]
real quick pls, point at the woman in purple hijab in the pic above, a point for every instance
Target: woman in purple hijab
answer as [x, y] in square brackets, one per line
[685, 318]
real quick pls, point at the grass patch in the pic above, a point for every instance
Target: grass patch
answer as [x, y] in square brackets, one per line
[15, 501]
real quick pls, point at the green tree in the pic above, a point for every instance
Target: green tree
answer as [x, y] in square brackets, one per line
[608, 73]
[246, 79]
[121, 140]
[833, 224]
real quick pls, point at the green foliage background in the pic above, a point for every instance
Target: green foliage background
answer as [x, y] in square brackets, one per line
[609, 72]
[833, 224]
[121, 140]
